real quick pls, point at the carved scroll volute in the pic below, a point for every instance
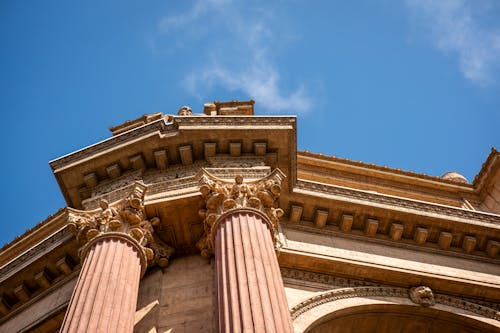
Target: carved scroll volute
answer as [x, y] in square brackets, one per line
[125, 218]
[222, 197]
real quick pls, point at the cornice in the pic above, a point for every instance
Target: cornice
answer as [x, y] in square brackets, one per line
[489, 169]
[36, 252]
[179, 123]
[36, 234]
[158, 126]
[236, 122]
[486, 166]
[419, 207]
[385, 170]
[380, 239]
[59, 283]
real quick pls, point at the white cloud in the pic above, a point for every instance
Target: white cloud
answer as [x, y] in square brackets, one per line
[259, 82]
[170, 23]
[457, 29]
[240, 58]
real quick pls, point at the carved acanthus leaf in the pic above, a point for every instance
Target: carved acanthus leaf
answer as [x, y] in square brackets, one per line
[126, 217]
[220, 197]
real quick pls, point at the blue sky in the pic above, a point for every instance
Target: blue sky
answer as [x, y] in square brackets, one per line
[409, 84]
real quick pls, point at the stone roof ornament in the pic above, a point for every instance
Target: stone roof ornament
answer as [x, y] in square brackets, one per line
[422, 295]
[185, 111]
[222, 197]
[231, 108]
[125, 218]
[455, 177]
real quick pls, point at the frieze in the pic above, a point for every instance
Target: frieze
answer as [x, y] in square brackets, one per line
[324, 279]
[220, 165]
[110, 185]
[486, 309]
[173, 172]
[247, 173]
[327, 281]
[398, 202]
[174, 180]
[118, 194]
[234, 121]
[225, 161]
[168, 188]
[344, 293]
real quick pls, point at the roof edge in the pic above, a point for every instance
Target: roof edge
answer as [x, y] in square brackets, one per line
[375, 167]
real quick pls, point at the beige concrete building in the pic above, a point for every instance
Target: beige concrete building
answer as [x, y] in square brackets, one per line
[214, 222]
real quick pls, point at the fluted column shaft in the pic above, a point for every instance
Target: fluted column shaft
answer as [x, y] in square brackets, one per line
[105, 296]
[250, 291]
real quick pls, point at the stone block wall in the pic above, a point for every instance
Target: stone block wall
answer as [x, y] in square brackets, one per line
[179, 298]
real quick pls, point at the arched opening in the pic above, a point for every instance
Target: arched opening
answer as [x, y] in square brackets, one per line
[397, 318]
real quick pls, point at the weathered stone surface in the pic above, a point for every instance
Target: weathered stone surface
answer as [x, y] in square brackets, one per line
[42, 308]
[184, 292]
[250, 292]
[222, 197]
[345, 226]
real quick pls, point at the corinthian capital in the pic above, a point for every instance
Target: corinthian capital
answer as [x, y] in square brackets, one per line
[222, 197]
[125, 218]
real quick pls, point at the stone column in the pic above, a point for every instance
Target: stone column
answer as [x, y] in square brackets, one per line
[241, 227]
[105, 296]
[117, 246]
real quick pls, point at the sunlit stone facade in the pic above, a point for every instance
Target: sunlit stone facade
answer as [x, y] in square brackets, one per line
[214, 222]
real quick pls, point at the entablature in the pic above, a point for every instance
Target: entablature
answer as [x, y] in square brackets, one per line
[352, 258]
[314, 208]
[402, 222]
[176, 142]
[29, 272]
